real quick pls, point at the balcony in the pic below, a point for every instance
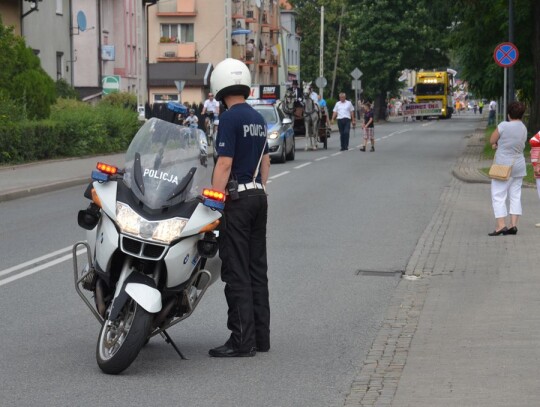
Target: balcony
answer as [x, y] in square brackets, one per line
[177, 8]
[173, 52]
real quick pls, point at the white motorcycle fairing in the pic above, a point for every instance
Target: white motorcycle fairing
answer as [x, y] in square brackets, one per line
[140, 287]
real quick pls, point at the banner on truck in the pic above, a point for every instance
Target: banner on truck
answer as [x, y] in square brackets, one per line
[422, 109]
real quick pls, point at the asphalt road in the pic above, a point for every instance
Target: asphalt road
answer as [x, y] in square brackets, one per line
[340, 226]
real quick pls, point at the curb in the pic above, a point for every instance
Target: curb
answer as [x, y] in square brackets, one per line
[56, 186]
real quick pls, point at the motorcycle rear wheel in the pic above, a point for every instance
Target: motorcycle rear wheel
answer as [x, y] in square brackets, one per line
[120, 341]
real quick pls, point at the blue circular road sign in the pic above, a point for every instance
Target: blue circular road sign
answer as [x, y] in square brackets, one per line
[506, 54]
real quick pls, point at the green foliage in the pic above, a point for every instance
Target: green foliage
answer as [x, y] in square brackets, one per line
[474, 48]
[65, 90]
[9, 110]
[22, 77]
[74, 129]
[308, 22]
[380, 37]
[330, 103]
[121, 99]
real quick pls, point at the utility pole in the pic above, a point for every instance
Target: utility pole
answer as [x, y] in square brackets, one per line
[337, 51]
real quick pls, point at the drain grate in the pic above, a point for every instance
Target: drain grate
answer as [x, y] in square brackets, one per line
[379, 273]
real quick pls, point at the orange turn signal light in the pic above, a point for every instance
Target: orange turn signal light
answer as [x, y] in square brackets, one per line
[210, 227]
[95, 198]
[106, 168]
[215, 195]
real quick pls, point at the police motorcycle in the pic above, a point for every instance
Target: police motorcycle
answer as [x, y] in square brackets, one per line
[151, 241]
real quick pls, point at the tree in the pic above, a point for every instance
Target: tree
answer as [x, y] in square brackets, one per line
[391, 37]
[474, 48]
[22, 78]
[308, 21]
[381, 37]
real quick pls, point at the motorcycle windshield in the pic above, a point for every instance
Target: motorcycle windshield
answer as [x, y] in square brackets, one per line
[166, 164]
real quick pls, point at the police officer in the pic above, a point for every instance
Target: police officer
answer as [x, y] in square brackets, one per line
[242, 170]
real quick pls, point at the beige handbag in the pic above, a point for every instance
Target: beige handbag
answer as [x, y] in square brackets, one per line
[501, 172]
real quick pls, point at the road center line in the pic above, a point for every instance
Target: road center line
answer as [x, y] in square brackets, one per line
[321, 158]
[338, 153]
[280, 174]
[301, 165]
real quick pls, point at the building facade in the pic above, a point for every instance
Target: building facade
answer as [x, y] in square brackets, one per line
[291, 41]
[187, 38]
[108, 46]
[154, 49]
[45, 25]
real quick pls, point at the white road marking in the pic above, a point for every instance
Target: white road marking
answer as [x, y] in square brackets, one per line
[38, 268]
[321, 158]
[34, 261]
[338, 153]
[302, 165]
[280, 174]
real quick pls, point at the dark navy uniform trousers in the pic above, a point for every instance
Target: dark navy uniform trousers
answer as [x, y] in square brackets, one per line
[242, 249]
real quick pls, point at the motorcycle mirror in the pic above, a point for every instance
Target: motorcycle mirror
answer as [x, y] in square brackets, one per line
[87, 220]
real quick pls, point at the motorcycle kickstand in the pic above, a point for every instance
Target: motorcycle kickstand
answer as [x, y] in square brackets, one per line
[168, 339]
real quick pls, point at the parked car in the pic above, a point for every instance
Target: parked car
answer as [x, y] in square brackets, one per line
[281, 143]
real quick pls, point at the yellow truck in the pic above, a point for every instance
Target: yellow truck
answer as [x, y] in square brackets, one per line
[436, 87]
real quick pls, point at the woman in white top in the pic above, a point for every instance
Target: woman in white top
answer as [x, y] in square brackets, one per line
[509, 139]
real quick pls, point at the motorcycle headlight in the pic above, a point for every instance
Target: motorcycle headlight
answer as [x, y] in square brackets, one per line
[274, 135]
[133, 224]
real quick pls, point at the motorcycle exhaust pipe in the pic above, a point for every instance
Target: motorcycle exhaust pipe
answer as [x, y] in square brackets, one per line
[100, 301]
[163, 313]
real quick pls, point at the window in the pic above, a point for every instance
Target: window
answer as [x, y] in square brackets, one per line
[59, 65]
[59, 7]
[176, 33]
[423, 89]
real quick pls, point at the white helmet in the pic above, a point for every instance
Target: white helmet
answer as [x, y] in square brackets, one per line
[230, 76]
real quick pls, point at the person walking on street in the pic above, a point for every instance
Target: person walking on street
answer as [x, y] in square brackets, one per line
[509, 140]
[480, 106]
[369, 128]
[344, 112]
[492, 110]
[242, 169]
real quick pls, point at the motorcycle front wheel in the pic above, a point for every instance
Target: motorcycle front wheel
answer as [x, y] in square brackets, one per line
[121, 340]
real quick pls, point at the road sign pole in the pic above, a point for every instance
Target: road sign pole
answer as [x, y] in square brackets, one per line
[505, 100]
[356, 87]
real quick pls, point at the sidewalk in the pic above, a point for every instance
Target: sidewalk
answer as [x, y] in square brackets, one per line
[29, 179]
[463, 328]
